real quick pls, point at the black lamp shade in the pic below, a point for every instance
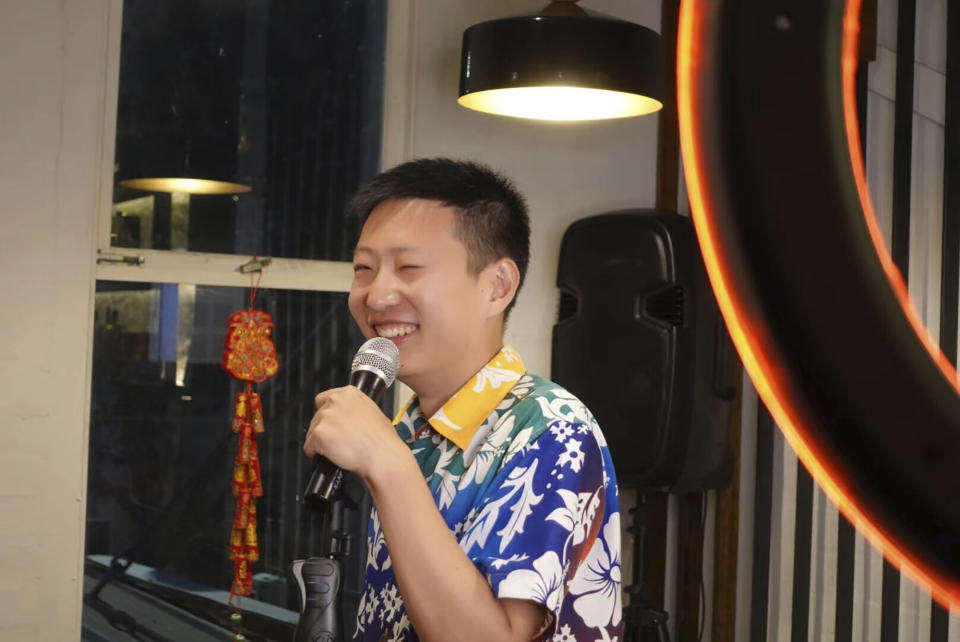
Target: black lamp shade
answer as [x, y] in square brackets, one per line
[187, 146]
[588, 51]
[179, 118]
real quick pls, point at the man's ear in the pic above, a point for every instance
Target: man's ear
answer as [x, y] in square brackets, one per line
[503, 278]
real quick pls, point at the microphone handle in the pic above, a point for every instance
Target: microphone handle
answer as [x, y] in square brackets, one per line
[326, 478]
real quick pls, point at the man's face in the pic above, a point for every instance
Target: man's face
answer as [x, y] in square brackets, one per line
[411, 284]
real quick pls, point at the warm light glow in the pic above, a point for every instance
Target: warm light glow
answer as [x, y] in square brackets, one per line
[560, 103]
[767, 374]
[185, 185]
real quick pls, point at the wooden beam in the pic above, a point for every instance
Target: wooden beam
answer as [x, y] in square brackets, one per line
[689, 565]
[868, 32]
[727, 526]
[668, 134]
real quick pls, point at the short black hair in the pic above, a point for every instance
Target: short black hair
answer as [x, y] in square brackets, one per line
[492, 220]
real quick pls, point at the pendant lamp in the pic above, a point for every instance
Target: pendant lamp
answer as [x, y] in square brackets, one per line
[564, 63]
[183, 157]
[187, 145]
[181, 106]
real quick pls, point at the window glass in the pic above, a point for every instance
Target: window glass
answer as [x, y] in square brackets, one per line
[277, 104]
[162, 453]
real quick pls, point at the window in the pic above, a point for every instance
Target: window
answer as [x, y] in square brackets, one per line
[284, 98]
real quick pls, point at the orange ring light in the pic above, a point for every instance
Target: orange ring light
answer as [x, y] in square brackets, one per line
[827, 332]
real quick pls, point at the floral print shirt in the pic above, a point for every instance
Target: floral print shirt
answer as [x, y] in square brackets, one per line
[521, 474]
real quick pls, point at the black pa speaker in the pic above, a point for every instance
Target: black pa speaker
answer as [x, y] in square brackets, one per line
[640, 341]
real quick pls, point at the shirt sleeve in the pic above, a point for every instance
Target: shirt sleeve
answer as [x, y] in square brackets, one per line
[541, 515]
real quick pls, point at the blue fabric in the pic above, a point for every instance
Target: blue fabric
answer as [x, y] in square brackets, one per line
[533, 503]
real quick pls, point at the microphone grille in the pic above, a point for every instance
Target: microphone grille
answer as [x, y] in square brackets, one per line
[381, 354]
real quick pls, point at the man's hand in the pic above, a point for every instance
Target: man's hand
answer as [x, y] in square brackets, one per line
[351, 431]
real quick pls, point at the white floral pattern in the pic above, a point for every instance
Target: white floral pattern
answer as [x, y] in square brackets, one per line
[500, 563]
[597, 584]
[572, 456]
[367, 609]
[577, 513]
[561, 430]
[493, 377]
[543, 583]
[390, 601]
[534, 506]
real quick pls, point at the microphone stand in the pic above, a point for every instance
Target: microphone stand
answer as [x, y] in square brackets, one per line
[319, 580]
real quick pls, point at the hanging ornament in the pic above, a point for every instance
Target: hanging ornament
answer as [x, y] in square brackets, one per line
[249, 355]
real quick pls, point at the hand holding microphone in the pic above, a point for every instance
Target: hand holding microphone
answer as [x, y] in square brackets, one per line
[374, 369]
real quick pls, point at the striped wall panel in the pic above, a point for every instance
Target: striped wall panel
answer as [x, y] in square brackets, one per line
[803, 571]
[905, 165]
[839, 600]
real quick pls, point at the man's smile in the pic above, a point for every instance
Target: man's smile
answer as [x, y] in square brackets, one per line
[394, 330]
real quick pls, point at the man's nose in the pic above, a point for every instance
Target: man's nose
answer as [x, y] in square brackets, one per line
[383, 292]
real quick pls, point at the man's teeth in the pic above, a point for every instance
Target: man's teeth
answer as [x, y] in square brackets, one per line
[395, 330]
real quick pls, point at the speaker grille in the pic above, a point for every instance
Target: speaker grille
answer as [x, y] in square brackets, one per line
[666, 305]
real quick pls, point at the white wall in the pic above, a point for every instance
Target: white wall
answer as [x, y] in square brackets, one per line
[52, 70]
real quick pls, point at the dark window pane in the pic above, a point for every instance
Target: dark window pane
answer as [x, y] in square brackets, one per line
[282, 97]
[162, 448]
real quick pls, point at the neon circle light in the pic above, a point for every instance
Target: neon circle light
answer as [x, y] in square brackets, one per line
[813, 302]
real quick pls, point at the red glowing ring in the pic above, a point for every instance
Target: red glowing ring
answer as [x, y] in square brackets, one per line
[827, 332]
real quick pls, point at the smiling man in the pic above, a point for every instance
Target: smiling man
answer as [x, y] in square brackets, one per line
[495, 500]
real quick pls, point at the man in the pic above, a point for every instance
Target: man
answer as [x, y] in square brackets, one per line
[495, 502]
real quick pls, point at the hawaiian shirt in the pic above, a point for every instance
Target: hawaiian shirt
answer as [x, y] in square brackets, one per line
[521, 474]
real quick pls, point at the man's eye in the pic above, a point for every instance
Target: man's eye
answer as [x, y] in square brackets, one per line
[410, 267]
[360, 268]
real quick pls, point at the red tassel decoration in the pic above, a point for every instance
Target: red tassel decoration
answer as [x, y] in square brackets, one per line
[247, 487]
[249, 355]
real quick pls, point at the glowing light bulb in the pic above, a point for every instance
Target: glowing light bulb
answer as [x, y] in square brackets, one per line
[185, 185]
[560, 103]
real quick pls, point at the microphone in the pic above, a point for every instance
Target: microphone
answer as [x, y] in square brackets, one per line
[373, 371]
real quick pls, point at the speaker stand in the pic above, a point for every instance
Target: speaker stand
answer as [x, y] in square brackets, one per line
[643, 622]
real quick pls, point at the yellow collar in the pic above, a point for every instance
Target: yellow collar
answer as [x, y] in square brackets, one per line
[463, 413]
